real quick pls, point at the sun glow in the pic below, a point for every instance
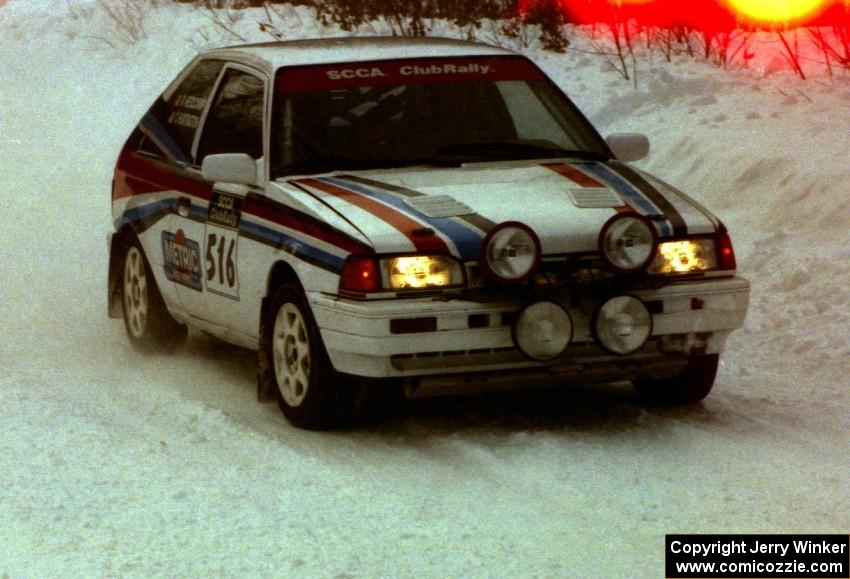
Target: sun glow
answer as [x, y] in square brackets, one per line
[776, 11]
[703, 14]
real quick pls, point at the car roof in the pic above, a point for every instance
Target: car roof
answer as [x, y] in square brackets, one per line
[274, 55]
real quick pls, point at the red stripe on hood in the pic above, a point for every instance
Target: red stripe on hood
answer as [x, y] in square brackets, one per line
[584, 180]
[574, 175]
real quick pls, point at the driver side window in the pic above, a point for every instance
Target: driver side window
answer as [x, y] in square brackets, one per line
[235, 121]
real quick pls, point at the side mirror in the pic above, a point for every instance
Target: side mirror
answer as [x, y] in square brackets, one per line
[236, 168]
[628, 146]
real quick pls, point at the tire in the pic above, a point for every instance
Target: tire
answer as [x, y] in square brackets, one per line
[149, 326]
[307, 389]
[692, 385]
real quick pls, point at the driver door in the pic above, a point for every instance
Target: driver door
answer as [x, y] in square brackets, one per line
[234, 124]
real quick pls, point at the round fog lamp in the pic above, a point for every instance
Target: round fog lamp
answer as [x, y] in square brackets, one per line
[543, 331]
[510, 252]
[622, 325]
[628, 242]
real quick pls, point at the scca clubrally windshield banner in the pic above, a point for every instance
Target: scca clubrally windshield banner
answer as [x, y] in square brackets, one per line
[398, 72]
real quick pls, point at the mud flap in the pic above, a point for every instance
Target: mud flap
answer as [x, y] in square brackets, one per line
[265, 370]
[113, 289]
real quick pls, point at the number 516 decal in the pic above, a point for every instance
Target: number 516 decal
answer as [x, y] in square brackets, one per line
[221, 258]
[221, 254]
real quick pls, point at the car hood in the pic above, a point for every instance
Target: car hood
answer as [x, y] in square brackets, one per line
[565, 203]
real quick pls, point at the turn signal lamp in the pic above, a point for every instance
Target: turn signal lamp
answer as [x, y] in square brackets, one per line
[360, 274]
[727, 253]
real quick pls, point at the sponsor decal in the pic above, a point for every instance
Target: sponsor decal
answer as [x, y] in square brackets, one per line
[410, 70]
[182, 259]
[465, 69]
[225, 210]
[184, 119]
[407, 71]
[189, 102]
[349, 73]
[222, 244]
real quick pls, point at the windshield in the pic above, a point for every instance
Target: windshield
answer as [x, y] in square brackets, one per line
[443, 112]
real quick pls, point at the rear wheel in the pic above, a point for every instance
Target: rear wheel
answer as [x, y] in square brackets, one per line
[149, 325]
[307, 388]
[692, 385]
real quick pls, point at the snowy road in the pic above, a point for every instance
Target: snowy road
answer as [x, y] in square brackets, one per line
[115, 463]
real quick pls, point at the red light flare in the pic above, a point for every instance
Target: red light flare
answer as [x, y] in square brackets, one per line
[777, 12]
[710, 16]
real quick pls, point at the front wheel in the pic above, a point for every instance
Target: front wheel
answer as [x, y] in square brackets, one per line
[149, 325]
[307, 388]
[692, 385]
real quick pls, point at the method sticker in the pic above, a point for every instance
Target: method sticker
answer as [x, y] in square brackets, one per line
[182, 259]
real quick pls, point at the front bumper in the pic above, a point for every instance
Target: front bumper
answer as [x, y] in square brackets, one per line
[472, 337]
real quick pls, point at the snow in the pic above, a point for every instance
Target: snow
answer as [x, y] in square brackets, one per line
[112, 462]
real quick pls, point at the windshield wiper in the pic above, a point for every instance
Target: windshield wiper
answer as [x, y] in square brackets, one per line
[503, 150]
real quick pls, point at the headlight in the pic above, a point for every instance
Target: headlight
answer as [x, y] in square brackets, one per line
[421, 271]
[685, 256]
[363, 274]
[622, 324]
[510, 253]
[627, 243]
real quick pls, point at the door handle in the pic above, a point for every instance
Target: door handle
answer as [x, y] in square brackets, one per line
[184, 204]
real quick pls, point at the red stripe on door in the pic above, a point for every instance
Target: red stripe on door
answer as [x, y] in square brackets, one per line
[404, 224]
[137, 175]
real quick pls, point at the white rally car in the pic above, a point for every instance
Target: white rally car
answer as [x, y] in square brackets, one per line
[433, 213]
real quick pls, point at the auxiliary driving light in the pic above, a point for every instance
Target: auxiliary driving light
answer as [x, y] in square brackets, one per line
[628, 243]
[510, 252]
[542, 331]
[622, 324]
